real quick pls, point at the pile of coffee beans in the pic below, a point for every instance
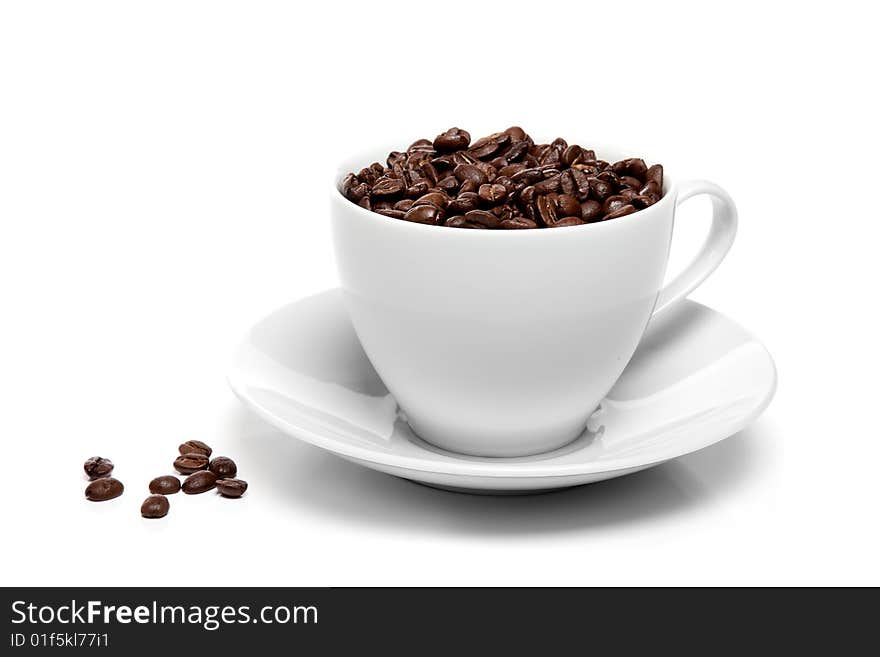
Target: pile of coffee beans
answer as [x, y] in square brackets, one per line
[204, 474]
[503, 181]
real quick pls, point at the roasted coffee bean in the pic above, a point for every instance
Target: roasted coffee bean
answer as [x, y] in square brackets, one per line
[199, 482]
[438, 199]
[155, 506]
[223, 466]
[621, 211]
[417, 189]
[194, 447]
[568, 221]
[517, 223]
[633, 166]
[453, 139]
[390, 212]
[654, 174]
[591, 211]
[189, 463]
[103, 489]
[448, 184]
[424, 214]
[387, 187]
[488, 146]
[483, 218]
[507, 176]
[599, 189]
[612, 203]
[633, 183]
[567, 206]
[97, 467]
[493, 193]
[546, 210]
[470, 173]
[165, 485]
[231, 487]
[547, 185]
[641, 202]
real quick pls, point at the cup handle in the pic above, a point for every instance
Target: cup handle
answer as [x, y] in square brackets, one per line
[716, 246]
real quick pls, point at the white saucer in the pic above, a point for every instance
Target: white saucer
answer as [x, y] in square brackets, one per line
[696, 378]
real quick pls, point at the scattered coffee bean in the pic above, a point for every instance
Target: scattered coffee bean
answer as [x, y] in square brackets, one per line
[165, 485]
[189, 463]
[199, 482]
[103, 489]
[512, 181]
[231, 487]
[194, 447]
[97, 467]
[155, 506]
[223, 466]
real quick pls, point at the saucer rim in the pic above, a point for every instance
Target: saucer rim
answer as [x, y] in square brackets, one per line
[500, 469]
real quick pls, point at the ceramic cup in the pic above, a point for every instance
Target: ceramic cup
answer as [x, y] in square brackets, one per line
[503, 342]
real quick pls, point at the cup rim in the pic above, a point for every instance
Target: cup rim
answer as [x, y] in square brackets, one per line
[668, 197]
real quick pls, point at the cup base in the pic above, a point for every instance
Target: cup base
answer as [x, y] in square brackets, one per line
[510, 444]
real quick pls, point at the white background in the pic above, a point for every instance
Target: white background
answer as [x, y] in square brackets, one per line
[164, 172]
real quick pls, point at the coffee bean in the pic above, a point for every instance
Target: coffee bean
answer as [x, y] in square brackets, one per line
[567, 206]
[199, 482]
[654, 174]
[621, 211]
[424, 214]
[482, 218]
[612, 203]
[568, 221]
[453, 139]
[155, 506]
[223, 466]
[633, 166]
[517, 223]
[470, 173]
[493, 193]
[464, 202]
[505, 175]
[591, 210]
[231, 487]
[103, 489]
[97, 466]
[165, 485]
[194, 447]
[387, 187]
[189, 463]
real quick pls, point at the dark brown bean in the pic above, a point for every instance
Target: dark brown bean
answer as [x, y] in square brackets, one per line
[568, 221]
[654, 174]
[103, 489]
[189, 463]
[439, 199]
[567, 206]
[621, 211]
[453, 139]
[155, 506]
[546, 210]
[165, 485]
[641, 202]
[488, 146]
[97, 467]
[231, 487]
[483, 218]
[425, 214]
[493, 193]
[390, 212]
[600, 189]
[223, 466]
[470, 173]
[404, 204]
[199, 482]
[632, 166]
[591, 211]
[517, 223]
[387, 187]
[194, 447]
[547, 185]
[613, 202]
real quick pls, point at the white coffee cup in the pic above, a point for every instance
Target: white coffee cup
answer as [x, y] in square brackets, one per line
[503, 342]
